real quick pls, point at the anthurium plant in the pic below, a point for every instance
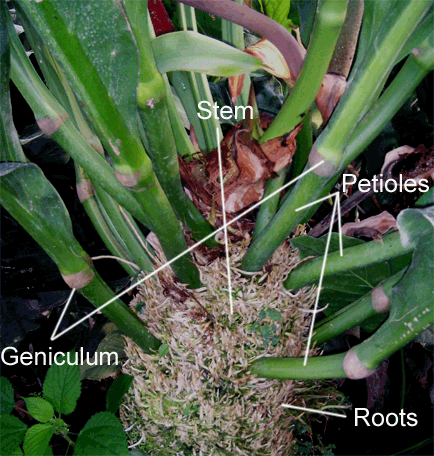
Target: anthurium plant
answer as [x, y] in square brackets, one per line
[155, 152]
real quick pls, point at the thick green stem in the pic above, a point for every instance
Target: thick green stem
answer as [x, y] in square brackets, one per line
[313, 187]
[418, 64]
[268, 209]
[123, 231]
[354, 257]
[307, 189]
[153, 109]
[363, 88]
[98, 293]
[328, 22]
[112, 111]
[304, 145]
[294, 368]
[87, 198]
[375, 302]
[146, 196]
[411, 309]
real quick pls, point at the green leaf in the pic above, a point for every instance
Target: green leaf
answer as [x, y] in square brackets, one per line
[163, 350]
[12, 433]
[274, 315]
[40, 409]
[310, 246]
[99, 59]
[278, 10]
[262, 314]
[62, 386]
[415, 223]
[37, 439]
[29, 196]
[7, 402]
[117, 391]
[102, 435]
[17, 452]
[112, 343]
[306, 12]
[190, 51]
[10, 145]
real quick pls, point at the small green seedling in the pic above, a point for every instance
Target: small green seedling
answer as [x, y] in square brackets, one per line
[102, 434]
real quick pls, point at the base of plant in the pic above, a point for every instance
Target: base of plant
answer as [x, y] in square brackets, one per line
[196, 395]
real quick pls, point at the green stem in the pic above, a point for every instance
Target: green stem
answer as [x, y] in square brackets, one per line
[357, 312]
[307, 189]
[68, 439]
[123, 231]
[233, 34]
[313, 186]
[98, 293]
[153, 110]
[418, 64]
[114, 121]
[90, 204]
[183, 143]
[363, 88]
[294, 368]
[328, 22]
[409, 316]
[268, 209]
[200, 91]
[354, 257]
[147, 196]
[27, 196]
[304, 145]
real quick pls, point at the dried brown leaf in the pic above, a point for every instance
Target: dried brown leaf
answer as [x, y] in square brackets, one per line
[236, 84]
[372, 227]
[332, 88]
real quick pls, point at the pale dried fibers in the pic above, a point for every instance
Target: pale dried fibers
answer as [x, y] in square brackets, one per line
[200, 395]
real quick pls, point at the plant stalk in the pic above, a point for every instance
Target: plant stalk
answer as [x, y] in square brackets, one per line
[315, 186]
[354, 257]
[328, 23]
[373, 303]
[294, 368]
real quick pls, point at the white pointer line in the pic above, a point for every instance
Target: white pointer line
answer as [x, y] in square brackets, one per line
[228, 268]
[335, 207]
[337, 201]
[313, 410]
[156, 271]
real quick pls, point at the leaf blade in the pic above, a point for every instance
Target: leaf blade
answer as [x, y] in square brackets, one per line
[103, 435]
[190, 51]
[12, 433]
[37, 439]
[39, 408]
[7, 402]
[62, 386]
